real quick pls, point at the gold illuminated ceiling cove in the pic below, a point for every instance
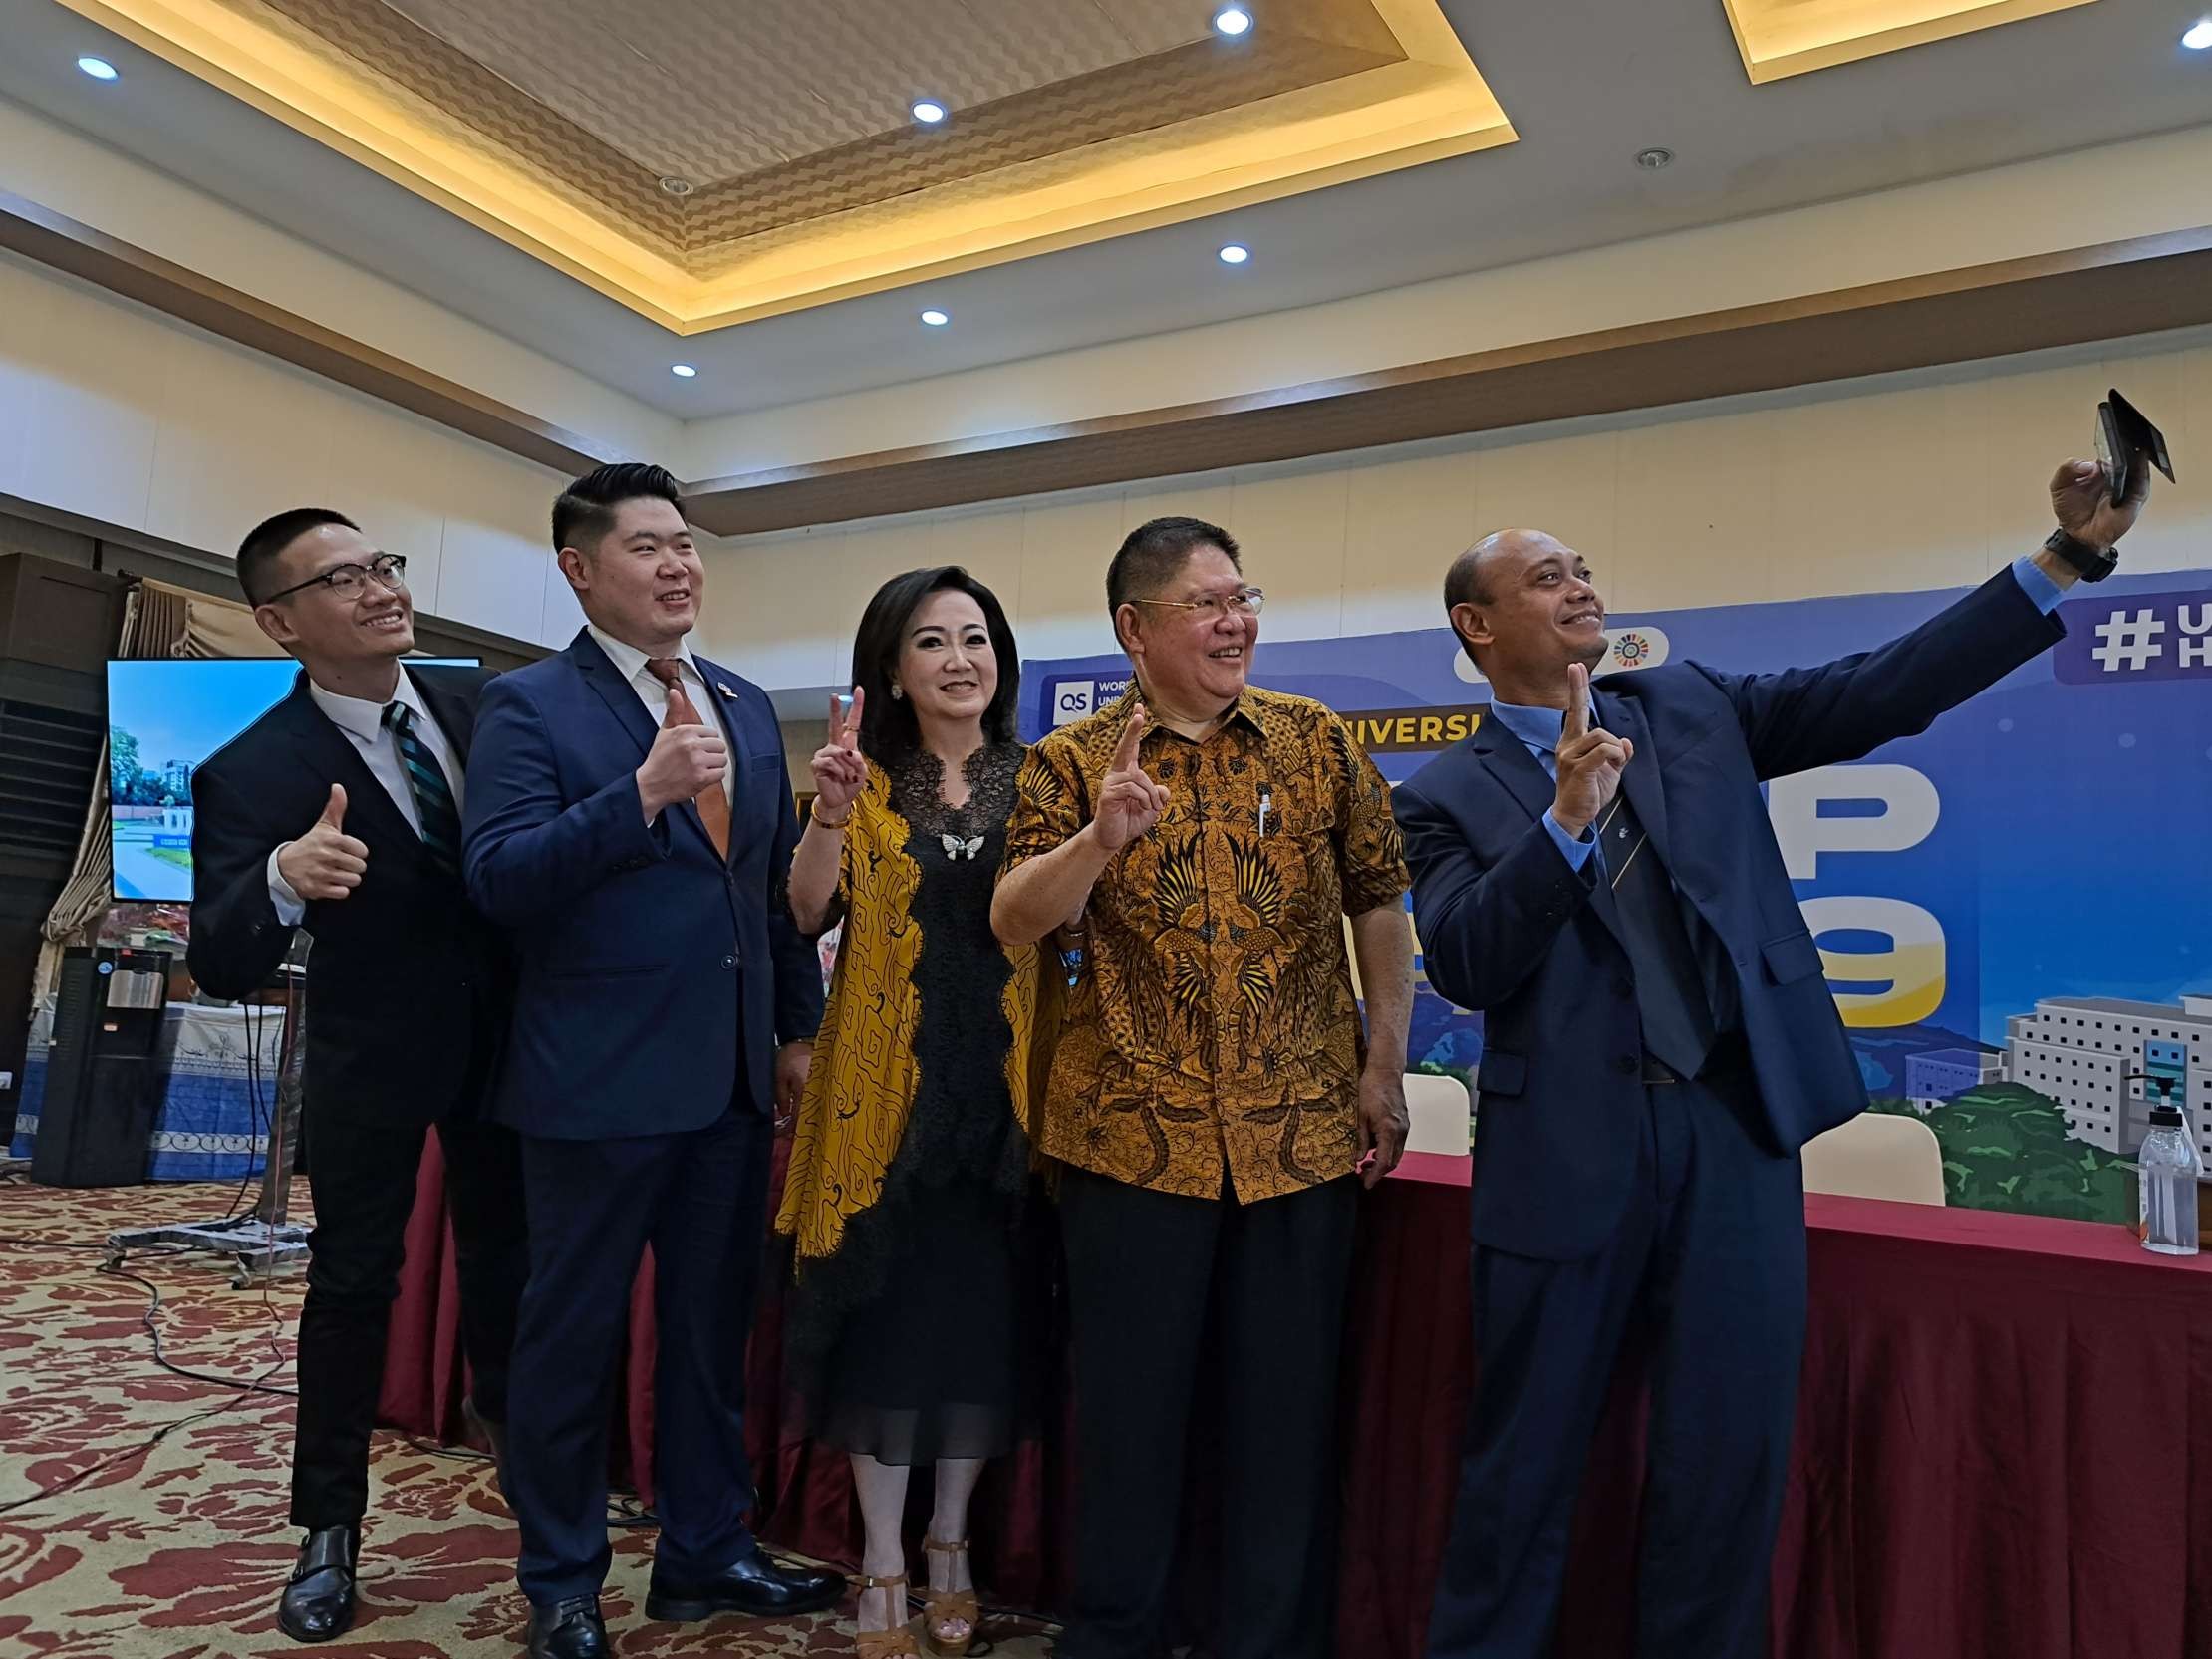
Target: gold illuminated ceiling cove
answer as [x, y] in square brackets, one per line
[553, 123]
[1780, 38]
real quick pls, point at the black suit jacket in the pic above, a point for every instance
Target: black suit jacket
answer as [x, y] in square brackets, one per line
[408, 987]
[1509, 927]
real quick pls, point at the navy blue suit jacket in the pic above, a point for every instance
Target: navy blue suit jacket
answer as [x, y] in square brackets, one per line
[655, 981]
[1510, 927]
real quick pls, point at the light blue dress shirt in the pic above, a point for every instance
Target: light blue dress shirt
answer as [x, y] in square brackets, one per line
[1539, 728]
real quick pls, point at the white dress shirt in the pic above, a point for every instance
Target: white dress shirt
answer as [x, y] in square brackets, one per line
[361, 722]
[630, 663]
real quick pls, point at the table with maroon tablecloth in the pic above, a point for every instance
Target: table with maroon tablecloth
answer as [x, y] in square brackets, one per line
[1996, 1450]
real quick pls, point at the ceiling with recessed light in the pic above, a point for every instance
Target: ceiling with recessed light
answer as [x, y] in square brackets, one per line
[1586, 85]
[709, 165]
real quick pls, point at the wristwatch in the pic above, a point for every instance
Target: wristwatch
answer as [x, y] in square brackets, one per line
[2091, 564]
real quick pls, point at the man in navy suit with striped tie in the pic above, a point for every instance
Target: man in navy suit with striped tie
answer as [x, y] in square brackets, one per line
[630, 821]
[337, 811]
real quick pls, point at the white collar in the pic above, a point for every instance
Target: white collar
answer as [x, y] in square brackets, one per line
[630, 661]
[361, 717]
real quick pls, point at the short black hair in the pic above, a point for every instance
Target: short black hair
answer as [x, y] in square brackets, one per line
[265, 544]
[889, 733]
[586, 509]
[1152, 553]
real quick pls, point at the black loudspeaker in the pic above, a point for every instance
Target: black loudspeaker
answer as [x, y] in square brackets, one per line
[102, 1090]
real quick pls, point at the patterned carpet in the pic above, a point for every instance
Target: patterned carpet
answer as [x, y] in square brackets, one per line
[178, 1550]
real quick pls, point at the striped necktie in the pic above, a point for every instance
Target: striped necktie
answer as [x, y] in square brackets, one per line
[426, 782]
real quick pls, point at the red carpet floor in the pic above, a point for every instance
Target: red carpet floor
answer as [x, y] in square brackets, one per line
[177, 1551]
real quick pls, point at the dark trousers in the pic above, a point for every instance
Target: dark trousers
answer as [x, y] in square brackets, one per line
[1145, 1272]
[1710, 1262]
[701, 1200]
[364, 1178]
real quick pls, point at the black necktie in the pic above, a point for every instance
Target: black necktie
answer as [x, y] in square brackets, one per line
[1671, 995]
[433, 795]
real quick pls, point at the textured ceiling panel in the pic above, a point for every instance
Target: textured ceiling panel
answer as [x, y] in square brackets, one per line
[1065, 115]
[555, 124]
[472, 106]
[708, 90]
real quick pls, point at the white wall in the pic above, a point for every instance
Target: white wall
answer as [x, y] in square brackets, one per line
[1908, 482]
[116, 414]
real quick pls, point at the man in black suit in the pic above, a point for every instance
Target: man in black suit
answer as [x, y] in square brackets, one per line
[630, 821]
[1594, 870]
[339, 812]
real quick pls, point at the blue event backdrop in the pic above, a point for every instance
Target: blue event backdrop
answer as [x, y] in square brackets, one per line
[2048, 839]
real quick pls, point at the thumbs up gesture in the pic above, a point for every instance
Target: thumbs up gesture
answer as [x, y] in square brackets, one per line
[326, 863]
[1592, 759]
[1129, 802]
[839, 771]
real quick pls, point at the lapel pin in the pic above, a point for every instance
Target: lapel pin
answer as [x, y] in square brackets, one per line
[725, 690]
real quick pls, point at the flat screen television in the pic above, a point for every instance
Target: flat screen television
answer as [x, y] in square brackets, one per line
[165, 718]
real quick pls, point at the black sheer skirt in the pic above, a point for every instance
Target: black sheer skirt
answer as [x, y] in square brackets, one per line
[919, 1337]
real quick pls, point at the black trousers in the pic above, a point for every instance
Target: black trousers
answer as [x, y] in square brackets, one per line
[364, 1178]
[1146, 1272]
[701, 1200]
[1710, 1262]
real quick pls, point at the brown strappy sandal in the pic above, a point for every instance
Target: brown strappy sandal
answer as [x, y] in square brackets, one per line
[895, 1643]
[950, 1607]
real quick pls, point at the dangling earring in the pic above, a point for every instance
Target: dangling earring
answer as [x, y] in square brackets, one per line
[896, 694]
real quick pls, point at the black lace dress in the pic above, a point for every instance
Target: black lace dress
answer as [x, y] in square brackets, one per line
[908, 1344]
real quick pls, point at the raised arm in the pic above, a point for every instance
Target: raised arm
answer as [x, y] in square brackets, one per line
[1484, 929]
[1819, 716]
[525, 849]
[1056, 852]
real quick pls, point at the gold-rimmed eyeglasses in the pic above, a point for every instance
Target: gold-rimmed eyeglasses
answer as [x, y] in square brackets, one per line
[1244, 601]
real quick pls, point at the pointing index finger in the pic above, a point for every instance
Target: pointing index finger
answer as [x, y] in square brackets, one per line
[1578, 722]
[1125, 758]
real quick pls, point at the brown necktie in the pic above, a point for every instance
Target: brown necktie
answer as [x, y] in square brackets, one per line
[712, 801]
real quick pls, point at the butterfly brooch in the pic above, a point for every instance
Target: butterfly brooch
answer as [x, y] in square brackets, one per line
[955, 849]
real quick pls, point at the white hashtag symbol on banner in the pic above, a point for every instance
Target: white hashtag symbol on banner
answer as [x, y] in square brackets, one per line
[2130, 641]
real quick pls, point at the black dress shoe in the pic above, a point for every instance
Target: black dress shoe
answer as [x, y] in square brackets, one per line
[751, 1584]
[319, 1599]
[570, 1629]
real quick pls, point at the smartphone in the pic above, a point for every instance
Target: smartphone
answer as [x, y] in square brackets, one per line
[2125, 441]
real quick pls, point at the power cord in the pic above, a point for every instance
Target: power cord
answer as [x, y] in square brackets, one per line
[625, 1513]
[150, 1319]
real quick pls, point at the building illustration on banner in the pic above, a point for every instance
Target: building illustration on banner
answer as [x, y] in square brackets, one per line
[2104, 1061]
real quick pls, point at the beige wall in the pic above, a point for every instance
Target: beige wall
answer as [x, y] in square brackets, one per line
[1933, 481]
[70, 174]
[117, 414]
[2139, 188]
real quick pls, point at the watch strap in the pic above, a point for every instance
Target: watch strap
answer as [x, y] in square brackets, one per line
[2091, 564]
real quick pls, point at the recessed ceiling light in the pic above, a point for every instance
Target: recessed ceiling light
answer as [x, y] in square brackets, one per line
[677, 186]
[1236, 254]
[1232, 21]
[100, 69]
[929, 112]
[935, 318]
[683, 371]
[1654, 158]
[2199, 37]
